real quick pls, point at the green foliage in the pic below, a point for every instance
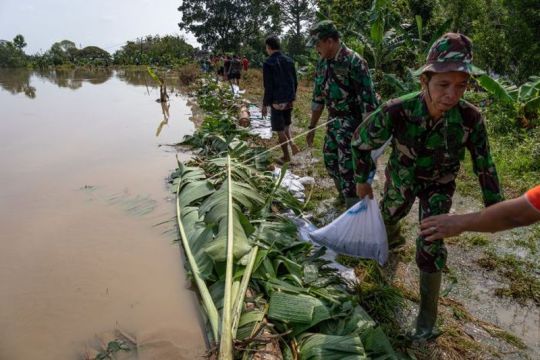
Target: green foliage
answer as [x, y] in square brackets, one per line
[12, 54]
[18, 42]
[522, 102]
[151, 50]
[331, 347]
[289, 281]
[113, 347]
[515, 150]
[229, 25]
[396, 35]
[155, 50]
[92, 55]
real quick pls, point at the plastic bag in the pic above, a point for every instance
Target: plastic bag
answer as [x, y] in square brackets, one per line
[359, 232]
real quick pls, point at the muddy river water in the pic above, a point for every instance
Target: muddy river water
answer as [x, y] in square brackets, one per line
[86, 219]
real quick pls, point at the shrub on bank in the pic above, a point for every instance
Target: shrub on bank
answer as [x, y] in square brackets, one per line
[188, 73]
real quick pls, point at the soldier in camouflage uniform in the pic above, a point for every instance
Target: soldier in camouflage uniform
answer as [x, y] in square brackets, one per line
[343, 84]
[431, 130]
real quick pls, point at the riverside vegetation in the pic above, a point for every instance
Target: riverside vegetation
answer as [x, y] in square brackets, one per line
[262, 288]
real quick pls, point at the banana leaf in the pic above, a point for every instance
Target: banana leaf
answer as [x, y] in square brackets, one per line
[376, 345]
[206, 298]
[226, 340]
[533, 104]
[529, 90]
[217, 248]
[330, 347]
[495, 88]
[299, 312]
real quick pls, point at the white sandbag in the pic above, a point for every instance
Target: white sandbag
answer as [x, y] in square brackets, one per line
[305, 227]
[359, 232]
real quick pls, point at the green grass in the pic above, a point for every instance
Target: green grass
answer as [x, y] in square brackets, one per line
[516, 153]
[473, 240]
[378, 296]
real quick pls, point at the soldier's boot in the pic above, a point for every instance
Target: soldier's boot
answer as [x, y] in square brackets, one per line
[340, 199]
[395, 238]
[350, 201]
[430, 284]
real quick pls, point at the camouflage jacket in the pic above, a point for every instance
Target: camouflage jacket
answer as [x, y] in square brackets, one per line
[424, 150]
[344, 85]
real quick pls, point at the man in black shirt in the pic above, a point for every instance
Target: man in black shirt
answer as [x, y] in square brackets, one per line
[280, 83]
[235, 69]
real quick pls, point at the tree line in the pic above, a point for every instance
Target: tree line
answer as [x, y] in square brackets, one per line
[151, 50]
[392, 35]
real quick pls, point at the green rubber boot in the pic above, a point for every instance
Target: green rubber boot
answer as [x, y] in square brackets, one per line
[350, 201]
[430, 284]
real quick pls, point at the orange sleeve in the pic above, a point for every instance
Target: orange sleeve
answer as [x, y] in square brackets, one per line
[533, 196]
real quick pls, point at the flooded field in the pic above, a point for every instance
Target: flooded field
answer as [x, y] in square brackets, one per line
[86, 218]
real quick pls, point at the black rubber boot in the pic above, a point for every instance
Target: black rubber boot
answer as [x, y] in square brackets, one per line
[430, 284]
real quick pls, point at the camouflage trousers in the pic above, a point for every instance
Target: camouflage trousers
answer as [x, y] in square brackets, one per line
[434, 199]
[337, 153]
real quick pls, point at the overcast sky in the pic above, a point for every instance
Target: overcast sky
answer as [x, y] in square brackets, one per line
[104, 23]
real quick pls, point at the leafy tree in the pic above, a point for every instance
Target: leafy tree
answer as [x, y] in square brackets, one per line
[296, 14]
[228, 25]
[61, 52]
[93, 55]
[523, 34]
[12, 54]
[154, 50]
[18, 42]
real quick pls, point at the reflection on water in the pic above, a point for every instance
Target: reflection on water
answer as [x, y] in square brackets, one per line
[81, 192]
[19, 80]
[165, 105]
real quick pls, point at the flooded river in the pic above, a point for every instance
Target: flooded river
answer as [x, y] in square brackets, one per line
[86, 219]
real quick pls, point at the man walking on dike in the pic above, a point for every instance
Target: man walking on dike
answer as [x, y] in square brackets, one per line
[343, 84]
[280, 84]
[226, 67]
[430, 129]
[234, 70]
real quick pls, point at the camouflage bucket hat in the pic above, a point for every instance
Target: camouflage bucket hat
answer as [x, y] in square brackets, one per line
[321, 30]
[451, 52]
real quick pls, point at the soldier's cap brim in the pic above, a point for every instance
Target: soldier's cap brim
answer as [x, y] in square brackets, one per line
[448, 66]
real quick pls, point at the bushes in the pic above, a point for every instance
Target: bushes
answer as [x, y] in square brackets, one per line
[188, 73]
